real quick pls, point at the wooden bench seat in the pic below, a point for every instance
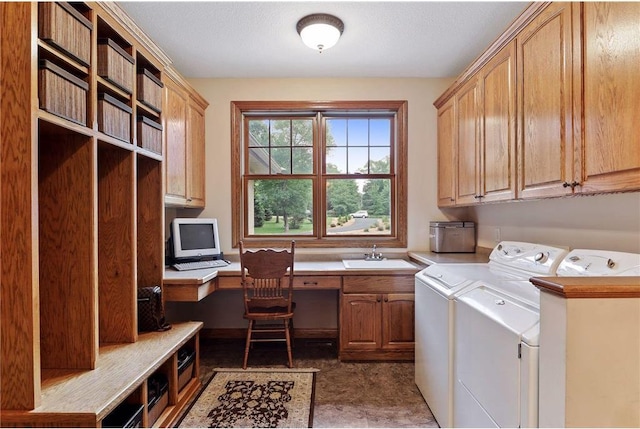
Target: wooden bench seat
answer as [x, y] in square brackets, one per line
[74, 398]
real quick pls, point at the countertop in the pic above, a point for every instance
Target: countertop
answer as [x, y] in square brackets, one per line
[429, 258]
[326, 266]
[302, 268]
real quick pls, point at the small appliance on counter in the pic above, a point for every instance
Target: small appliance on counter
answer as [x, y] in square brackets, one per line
[452, 237]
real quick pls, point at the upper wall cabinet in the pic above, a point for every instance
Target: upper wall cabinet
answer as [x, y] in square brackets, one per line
[545, 151]
[185, 144]
[562, 122]
[476, 136]
[468, 142]
[498, 127]
[446, 154]
[611, 97]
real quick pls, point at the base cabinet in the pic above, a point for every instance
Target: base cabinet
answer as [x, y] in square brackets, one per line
[377, 318]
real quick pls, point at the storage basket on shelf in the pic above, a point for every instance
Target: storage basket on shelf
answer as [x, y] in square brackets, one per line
[158, 396]
[149, 134]
[125, 415]
[186, 359]
[64, 27]
[62, 93]
[150, 90]
[115, 65]
[114, 117]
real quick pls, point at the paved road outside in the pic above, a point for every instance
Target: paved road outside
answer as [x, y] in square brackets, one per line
[358, 224]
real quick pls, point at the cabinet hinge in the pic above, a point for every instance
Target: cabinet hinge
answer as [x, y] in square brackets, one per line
[520, 351]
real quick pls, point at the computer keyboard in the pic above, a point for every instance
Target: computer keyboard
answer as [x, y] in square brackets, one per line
[199, 265]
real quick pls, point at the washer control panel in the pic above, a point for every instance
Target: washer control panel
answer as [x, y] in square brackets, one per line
[598, 263]
[536, 259]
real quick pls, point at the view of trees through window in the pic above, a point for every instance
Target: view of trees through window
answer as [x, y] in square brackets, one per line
[325, 173]
[281, 170]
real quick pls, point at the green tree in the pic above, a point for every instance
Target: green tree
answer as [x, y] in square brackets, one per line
[343, 196]
[289, 145]
[285, 198]
[258, 211]
[376, 196]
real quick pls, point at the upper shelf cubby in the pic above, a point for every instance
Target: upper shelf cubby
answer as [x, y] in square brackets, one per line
[67, 28]
[116, 64]
[149, 87]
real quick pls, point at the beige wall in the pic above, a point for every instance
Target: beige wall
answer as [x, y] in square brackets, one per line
[606, 222]
[420, 94]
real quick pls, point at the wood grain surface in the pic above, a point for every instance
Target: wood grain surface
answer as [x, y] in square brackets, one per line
[19, 329]
[68, 250]
[116, 250]
[81, 398]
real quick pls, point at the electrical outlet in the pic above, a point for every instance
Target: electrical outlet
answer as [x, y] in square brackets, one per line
[496, 235]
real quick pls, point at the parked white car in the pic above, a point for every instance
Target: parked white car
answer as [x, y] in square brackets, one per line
[360, 213]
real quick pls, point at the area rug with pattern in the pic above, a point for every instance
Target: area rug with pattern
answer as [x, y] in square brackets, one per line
[254, 398]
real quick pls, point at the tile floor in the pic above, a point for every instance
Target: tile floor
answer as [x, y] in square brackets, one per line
[348, 394]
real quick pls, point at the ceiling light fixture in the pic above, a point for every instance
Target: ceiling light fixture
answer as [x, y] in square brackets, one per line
[320, 31]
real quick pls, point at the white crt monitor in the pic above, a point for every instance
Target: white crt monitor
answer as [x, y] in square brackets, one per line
[195, 239]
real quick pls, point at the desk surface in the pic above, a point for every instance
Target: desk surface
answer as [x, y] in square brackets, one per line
[194, 285]
[304, 268]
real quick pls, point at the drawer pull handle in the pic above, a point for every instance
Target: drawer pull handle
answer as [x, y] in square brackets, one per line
[310, 283]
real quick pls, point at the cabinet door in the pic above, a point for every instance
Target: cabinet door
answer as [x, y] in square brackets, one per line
[545, 151]
[611, 109]
[446, 154]
[468, 142]
[175, 120]
[360, 321]
[195, 155]
[498, 170]
[398, 314]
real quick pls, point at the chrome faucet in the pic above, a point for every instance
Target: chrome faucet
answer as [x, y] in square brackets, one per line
[373, 256]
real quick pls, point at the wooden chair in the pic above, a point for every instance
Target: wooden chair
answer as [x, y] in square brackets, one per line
[268, 293]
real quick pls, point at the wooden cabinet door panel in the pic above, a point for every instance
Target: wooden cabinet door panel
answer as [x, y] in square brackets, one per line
[498, 171]
[611, 85]
[545, 104]
[360, 321]
[398, 314]
[195, 156]
[175, 115]
[468, 136]
[446, 154]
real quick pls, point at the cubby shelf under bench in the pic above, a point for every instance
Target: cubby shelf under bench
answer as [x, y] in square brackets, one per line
[83, 398]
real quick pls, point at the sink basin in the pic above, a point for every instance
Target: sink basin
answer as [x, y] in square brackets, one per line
[384, 264]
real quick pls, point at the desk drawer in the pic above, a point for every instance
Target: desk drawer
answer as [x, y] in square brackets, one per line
[378, 284]
[317, 282]
[299, 282]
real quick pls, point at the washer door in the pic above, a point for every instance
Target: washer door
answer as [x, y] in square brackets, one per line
[488, 329]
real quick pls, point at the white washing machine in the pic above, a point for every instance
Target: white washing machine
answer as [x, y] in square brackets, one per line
[436, 287]
[497, 338]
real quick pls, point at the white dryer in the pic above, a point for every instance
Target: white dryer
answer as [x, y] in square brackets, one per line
[497, 338]
[436, 287]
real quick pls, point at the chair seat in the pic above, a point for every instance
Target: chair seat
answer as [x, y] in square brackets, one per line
[270, 312]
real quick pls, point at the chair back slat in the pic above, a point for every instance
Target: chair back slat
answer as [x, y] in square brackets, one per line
[267, 277]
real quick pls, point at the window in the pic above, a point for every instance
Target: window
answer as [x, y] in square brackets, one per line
[327, 174]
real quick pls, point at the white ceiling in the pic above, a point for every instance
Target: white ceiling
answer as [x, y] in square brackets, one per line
[247, 39]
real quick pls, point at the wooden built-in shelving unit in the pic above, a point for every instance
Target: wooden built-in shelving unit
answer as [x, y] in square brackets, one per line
[82, 227]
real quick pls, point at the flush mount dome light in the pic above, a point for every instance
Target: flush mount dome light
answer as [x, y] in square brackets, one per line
[320, 31]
